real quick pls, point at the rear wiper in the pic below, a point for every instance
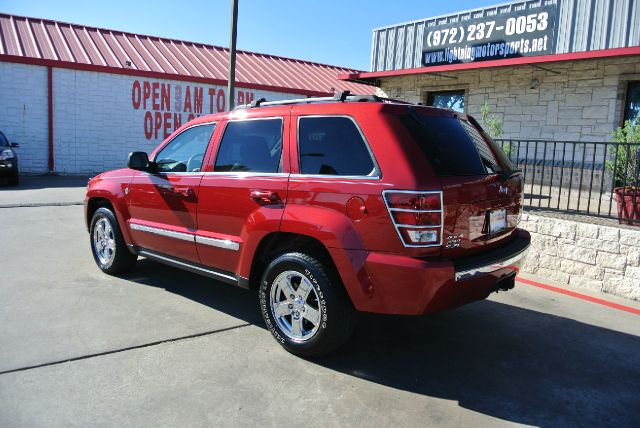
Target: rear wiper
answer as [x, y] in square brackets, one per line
[508, 175]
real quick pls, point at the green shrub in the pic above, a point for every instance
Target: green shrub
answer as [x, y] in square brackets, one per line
[494, 126]
[626, 169]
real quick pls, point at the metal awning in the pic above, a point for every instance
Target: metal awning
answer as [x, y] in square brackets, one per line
[370, 77]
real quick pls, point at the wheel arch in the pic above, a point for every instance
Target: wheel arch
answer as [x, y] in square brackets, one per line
[118, 206]
[276, 243]
[92, 206]
[342, 264]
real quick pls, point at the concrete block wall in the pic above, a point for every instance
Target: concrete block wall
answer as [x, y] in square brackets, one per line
[563, 101]
[23, 113]
[95, 122]
[92, 130]
[589, 256]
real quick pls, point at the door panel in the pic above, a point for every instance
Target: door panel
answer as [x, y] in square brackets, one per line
[242, 193]
[163, 205]
[163, 210]
[228, 215]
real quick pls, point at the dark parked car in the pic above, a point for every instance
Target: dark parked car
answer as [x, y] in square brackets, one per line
[326, 206]
[8, 160]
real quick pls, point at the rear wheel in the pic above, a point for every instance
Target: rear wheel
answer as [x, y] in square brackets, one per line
[304, 306]
[107, 244]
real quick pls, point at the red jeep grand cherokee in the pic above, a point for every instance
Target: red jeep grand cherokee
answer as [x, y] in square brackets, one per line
[327, 206]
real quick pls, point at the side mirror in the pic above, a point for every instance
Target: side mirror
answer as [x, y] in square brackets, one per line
[14, 145]
[139, 161]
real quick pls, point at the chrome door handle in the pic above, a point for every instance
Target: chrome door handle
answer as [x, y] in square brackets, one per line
[187, 192]
[266, 197]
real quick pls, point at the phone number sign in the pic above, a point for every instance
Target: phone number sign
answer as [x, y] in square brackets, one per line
[527, 32]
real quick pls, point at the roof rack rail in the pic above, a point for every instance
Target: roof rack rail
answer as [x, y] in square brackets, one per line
[342, 96]
[257, 103]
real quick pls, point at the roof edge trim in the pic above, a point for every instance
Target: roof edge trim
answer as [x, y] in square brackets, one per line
[572, 56]
[154, 75]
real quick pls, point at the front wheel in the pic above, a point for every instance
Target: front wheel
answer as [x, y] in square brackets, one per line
[107, 244]
[305, 306]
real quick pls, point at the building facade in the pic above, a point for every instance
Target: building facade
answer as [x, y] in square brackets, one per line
[78, 99]
[561, 70]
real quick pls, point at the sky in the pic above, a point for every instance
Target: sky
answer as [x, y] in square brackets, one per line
[336, 32]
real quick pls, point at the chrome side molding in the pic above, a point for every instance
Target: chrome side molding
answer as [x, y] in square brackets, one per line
[162, 232]
[220, 243]
[190, 237]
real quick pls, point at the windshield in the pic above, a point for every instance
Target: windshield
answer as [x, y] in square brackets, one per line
[3, 140]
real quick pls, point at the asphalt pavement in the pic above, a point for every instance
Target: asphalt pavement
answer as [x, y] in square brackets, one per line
[164, 347]
[44, 190]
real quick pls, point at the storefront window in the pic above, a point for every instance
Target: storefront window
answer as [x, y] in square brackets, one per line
[632, 107]
[453, 100]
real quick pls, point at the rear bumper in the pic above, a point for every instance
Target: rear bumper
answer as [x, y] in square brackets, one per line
[507, 256]
[408, 286]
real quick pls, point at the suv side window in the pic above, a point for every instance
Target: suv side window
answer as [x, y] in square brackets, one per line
[333, 146]
[185, 152]
[251, 146]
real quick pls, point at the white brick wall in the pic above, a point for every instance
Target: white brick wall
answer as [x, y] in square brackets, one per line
[23, 113]
[573, 100]
[590, 256]
[96, 124]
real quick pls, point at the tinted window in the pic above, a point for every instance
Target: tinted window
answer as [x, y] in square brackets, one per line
[632, 104]
[185, 152]
[332, 146]
[486, 155]
[453, 100]
[445, 144]
[503, 161]
[251, 146]
[3, 140]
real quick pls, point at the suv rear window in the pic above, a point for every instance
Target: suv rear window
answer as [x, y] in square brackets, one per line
[453, 146]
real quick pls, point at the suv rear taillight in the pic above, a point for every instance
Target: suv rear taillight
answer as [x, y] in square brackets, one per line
[417, 216]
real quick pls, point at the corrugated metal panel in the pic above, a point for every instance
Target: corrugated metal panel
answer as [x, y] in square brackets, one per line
[634, 38]
[45, 40]
[582, 25]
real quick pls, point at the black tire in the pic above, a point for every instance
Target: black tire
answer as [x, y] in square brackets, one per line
[14, 180]
[336, 312]
[122, 260]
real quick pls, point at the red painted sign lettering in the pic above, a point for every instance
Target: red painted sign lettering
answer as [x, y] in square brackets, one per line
[161, 117]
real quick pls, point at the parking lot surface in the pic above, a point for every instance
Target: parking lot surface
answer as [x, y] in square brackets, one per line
[44, 190]
[163, 347]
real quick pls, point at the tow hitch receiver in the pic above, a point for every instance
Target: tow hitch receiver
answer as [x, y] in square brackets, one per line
[506, 283]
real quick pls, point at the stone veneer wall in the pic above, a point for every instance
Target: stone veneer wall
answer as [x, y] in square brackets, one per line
[561, 101]
[590, 256]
